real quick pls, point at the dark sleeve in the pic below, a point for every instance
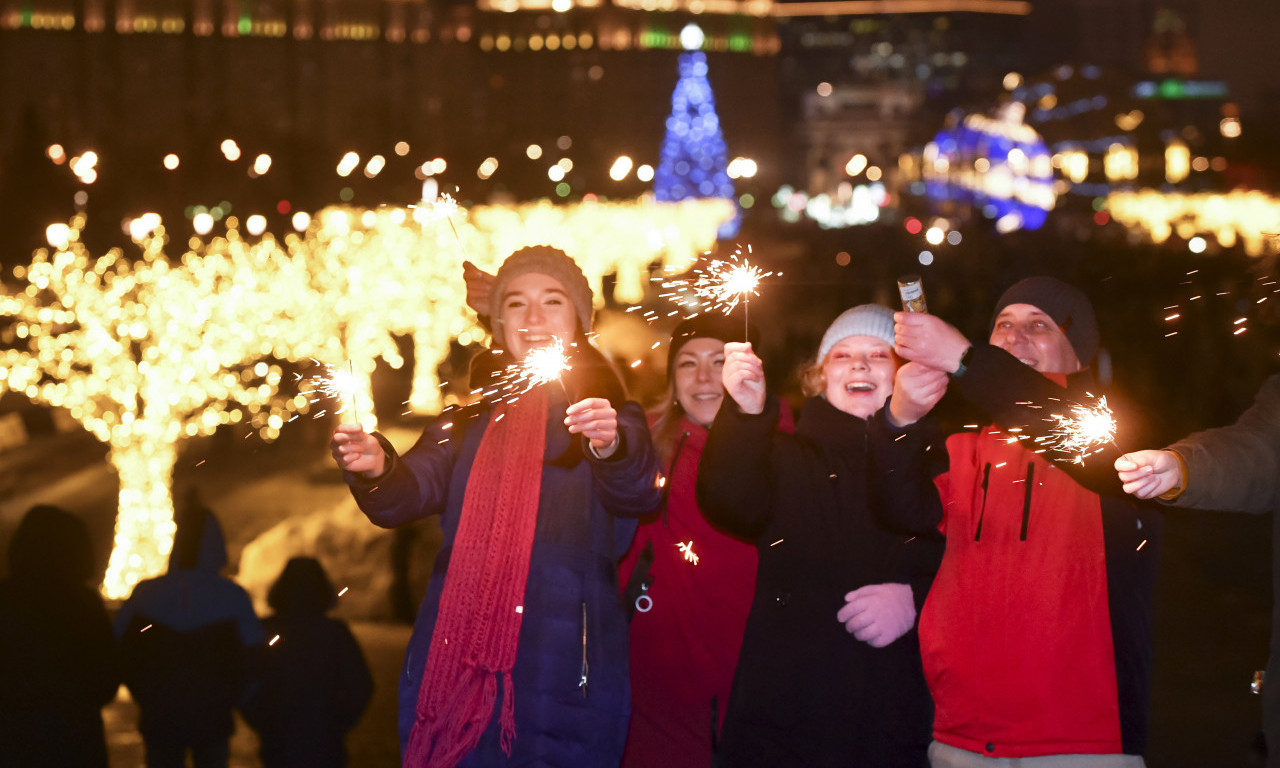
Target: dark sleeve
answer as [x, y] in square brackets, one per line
[356, 683]
[415, 485]
[627, 482]
[922, 555]
[1022, 401]
[102, 668]
[904, 463]
[1234, 468]
[735, 475]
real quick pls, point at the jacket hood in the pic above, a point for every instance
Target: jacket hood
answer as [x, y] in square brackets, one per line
[198, 543]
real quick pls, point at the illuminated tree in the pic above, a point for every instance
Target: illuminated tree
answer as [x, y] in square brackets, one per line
[144, 352]
[695, 159]
[398, 271]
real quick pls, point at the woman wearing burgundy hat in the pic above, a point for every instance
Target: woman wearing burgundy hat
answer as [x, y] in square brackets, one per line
[519, 652]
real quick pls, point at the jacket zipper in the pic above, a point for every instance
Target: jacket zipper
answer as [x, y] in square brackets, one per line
[986, 476]
[582, 682]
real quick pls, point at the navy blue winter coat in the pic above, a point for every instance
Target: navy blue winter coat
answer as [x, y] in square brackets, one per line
[585, 523]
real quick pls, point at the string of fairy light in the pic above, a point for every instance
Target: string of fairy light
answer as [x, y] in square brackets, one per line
[146, 350]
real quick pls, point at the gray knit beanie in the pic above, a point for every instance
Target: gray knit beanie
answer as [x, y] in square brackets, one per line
[1066, 304]
[544, 260]
[862, 320]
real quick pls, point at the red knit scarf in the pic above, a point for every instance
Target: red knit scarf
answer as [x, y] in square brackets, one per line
[478, 624]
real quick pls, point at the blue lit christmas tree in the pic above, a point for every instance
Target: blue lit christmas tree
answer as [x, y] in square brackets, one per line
[694, 156]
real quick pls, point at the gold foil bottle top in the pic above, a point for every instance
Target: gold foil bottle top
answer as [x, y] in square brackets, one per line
[911, 289]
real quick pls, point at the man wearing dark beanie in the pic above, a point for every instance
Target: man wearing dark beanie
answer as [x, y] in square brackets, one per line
[1036, 636]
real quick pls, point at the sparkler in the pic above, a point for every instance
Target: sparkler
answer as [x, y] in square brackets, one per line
[686, 548]
[340, 384]
[1084, 432]
[539, 366]
[721, 285]
[444, 207]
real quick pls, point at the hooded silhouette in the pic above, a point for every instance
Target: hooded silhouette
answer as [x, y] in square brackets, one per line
[57, 654]
[188, 640]
[314, 684]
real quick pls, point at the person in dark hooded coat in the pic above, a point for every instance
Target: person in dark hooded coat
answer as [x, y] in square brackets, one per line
[188, 640]
[315, 683]
[57, 655]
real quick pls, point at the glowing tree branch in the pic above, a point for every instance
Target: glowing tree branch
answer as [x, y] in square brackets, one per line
[143, 353]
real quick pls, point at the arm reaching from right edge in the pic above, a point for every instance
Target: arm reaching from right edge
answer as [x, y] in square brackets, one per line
[1150, 474]
[1232, 468]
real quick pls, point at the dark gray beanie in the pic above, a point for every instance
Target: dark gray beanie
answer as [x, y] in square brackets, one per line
[706, 326]
[1066, 304]
[553, 263]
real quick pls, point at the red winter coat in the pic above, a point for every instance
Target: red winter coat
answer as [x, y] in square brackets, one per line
[685, 648]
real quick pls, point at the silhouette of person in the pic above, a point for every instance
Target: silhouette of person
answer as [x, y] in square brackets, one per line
[57, 654]
[188, 640]
[314, 683]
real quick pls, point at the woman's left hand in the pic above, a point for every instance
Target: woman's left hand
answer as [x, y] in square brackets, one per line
[596, 420]
[878, 614]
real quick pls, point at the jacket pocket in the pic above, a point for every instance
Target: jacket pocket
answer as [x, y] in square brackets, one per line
[982, 510]
[1026, 500]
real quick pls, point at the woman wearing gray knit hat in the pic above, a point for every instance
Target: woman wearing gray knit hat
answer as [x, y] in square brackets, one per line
[829, 671]
[537, 496]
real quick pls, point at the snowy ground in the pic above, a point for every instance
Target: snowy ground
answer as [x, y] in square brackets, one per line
[1211, 624]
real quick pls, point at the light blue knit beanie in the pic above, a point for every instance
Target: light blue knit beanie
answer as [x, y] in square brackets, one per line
[862, 320]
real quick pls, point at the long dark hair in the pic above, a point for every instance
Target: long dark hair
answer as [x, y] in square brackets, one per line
[666, 424]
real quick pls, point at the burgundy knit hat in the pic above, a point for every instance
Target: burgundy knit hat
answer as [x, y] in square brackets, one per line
[548, 261]
[1066, 304]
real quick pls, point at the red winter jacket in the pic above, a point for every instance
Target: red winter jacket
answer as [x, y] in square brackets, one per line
[1036, 634]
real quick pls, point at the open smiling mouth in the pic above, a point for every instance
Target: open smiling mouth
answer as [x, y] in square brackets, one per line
[859, 387]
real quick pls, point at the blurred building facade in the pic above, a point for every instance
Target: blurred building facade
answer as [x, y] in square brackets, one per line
[273, 106]
[483, 97]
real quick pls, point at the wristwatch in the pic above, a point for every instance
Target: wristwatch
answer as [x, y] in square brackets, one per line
[965, 359]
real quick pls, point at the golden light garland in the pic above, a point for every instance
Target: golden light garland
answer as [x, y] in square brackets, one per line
[146, 351]
[143, 353]
[1250, 218]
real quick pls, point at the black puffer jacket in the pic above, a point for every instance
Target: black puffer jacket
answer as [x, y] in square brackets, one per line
[806, 692]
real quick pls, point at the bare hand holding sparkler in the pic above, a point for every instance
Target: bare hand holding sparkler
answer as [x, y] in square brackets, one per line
[743, 377]
[357, 451]
[1148, 474]
[595, 419]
